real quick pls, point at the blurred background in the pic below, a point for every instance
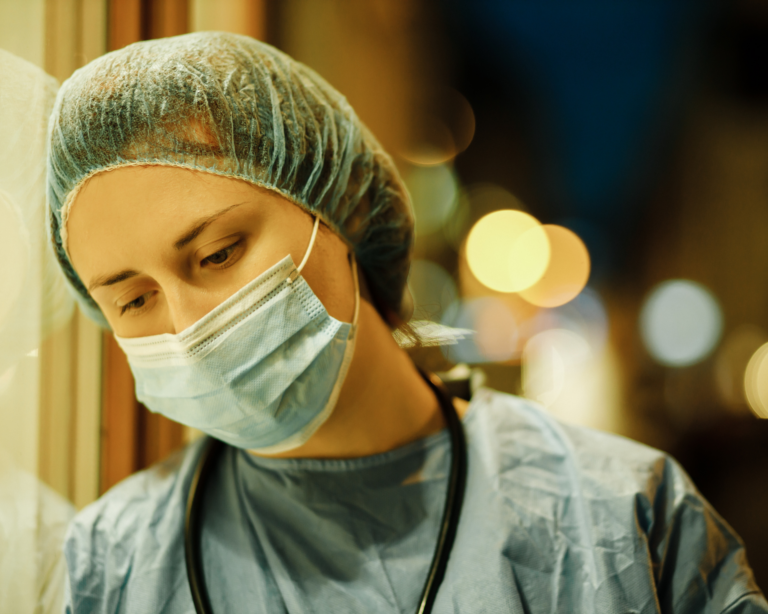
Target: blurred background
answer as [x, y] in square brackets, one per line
[590, 181]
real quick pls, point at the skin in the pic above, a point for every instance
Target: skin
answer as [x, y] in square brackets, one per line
[125, 229]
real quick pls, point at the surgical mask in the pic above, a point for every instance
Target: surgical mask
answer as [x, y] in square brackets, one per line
[262, 371]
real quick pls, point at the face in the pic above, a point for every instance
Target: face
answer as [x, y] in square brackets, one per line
[159, 247]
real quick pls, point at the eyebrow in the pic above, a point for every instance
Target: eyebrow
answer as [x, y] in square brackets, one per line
[110, 280]
[189, 236]
[201, 225]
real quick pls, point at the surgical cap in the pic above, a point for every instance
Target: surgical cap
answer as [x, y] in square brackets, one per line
[230, 105]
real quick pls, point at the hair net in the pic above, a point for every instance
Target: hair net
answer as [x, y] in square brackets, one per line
[230, 105]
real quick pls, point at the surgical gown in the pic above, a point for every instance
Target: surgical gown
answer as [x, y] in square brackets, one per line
[556, 518]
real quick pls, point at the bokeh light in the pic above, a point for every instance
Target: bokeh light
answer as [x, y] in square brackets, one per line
[567, 273]
[547, 358]
[457, 224]
[434, 191]
[488, 197]
[731, 363]
[470, 287]
[443, 131]
[432, 288]
[586, 316]
[14, 249]
[577, 384]
[508, 251]
[680, 323]
[474, 202]
[460, 117]
[435, 145]
[495, 338]
[756, 382]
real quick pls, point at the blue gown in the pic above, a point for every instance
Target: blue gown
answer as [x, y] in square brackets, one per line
[556, 519]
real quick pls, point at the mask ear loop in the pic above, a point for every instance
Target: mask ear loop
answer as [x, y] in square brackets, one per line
[357, 294]
[292, 277]
[295, 274]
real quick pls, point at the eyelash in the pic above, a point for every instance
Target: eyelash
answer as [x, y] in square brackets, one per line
[128, 307]
[224, 264]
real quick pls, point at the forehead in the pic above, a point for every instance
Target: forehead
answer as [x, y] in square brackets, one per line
[136, 195]
[133, 187]
[120, 210]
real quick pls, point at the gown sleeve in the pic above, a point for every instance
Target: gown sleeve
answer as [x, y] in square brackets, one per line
[699, 562]
[131, 537]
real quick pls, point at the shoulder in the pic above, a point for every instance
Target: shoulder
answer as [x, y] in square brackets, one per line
[142, 498]
[627, 496]
[522, 432]
[529, 451]
[134, 520]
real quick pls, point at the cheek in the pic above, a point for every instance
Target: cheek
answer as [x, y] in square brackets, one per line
[329, 273]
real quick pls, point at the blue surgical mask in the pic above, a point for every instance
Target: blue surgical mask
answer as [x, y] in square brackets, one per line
[262, 371]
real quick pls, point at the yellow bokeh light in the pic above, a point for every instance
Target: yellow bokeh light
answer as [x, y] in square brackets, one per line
[567, 273]
[756, 382]
[508, 251]
[731, 364]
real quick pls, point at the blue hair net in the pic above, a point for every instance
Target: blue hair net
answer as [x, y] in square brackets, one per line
[233, 106]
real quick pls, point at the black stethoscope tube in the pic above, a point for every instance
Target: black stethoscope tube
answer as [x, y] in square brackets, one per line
[454, 498]
[193, 528]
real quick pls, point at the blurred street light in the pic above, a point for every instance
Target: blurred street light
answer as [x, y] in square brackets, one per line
[567, 273]
[508, 251]
[680, 323]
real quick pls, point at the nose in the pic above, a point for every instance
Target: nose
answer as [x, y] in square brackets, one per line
[186, 305]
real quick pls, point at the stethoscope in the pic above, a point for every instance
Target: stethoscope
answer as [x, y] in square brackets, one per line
[454, 497]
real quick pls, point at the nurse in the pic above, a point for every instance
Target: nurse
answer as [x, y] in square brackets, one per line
[223, 211]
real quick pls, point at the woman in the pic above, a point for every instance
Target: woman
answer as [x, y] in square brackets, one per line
[187, 177]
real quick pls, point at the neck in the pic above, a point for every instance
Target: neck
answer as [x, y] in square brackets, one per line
[384, 402]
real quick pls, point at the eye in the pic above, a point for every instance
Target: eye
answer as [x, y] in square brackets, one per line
[220, 257]
[136, 304]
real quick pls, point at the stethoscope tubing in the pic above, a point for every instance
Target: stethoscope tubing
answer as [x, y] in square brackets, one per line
[193, 528]
[454, 498]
